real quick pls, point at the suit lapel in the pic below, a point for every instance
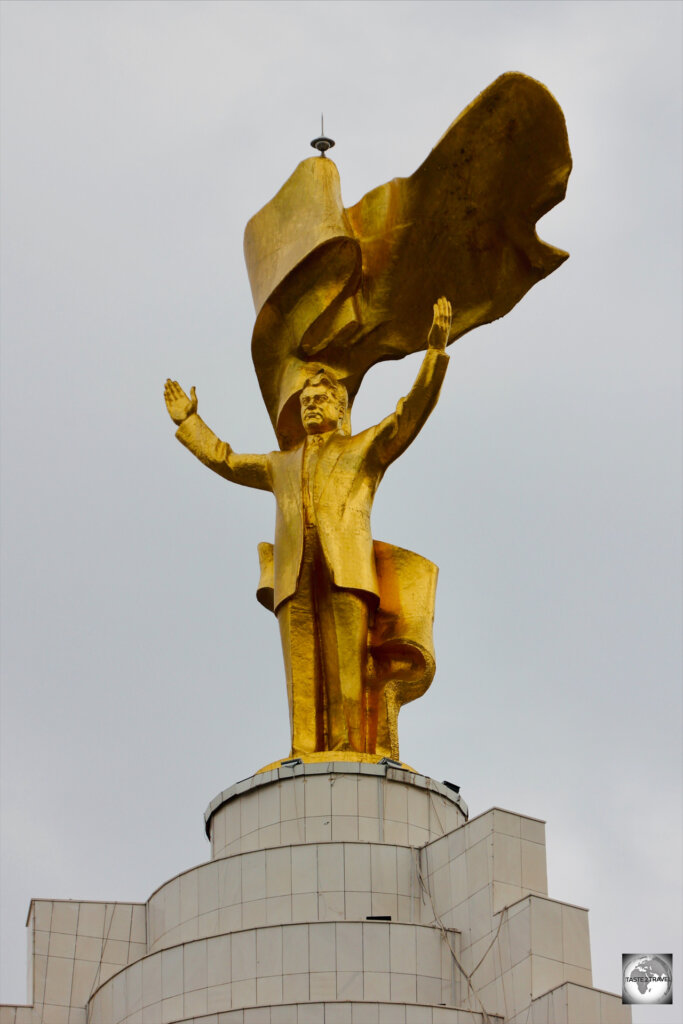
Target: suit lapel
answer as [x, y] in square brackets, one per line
[326, 462]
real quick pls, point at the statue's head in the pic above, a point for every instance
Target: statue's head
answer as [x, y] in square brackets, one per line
[323, 402]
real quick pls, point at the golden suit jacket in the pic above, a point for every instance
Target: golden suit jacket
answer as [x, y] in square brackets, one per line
[346, 475]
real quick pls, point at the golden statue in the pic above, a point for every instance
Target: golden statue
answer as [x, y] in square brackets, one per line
[337, 290]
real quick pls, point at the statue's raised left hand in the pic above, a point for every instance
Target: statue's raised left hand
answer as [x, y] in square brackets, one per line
[178, 404]
[441, 325]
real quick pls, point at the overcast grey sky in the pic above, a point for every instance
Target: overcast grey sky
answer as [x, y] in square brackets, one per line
[140, 676]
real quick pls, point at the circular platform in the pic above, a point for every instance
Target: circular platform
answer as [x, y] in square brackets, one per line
[330, 801]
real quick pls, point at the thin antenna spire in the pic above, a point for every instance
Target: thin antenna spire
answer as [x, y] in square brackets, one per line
[322, 143]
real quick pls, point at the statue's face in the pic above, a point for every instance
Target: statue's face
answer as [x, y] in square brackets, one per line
[320, 409]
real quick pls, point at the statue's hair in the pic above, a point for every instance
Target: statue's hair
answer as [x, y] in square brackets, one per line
[329, 380]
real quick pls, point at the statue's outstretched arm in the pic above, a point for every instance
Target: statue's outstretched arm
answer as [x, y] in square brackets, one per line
[249, 470]
[397, 431]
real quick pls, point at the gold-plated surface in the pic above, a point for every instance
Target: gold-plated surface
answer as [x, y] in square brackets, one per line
[400, 648]
[355, 616]
[337, 290]
[348, 286]
[328, 757]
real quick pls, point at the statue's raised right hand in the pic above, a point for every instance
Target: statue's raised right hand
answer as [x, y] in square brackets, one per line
[178, 404]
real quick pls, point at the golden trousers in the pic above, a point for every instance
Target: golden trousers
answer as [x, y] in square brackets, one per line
[324, 633]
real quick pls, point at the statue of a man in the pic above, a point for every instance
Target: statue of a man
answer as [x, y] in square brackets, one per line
[325, 581]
